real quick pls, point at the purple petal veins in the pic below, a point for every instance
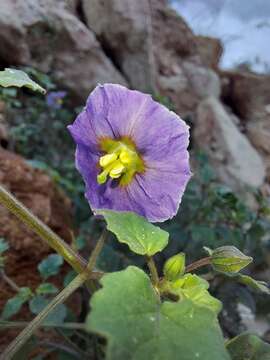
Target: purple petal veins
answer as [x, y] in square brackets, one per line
[160, 137]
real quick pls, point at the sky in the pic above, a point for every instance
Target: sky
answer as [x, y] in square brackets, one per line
[242, 25]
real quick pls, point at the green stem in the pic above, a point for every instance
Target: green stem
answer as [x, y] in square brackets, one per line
[153, 270]
[97, 250]
[197, 264]
[46, 234]
[91, 285]
[25, 335]
[22, 324]
[9, 281]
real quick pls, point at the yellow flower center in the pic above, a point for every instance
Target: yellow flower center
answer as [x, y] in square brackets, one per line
[120, 161]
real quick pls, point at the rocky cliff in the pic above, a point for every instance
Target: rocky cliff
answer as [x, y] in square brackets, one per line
[145, 45]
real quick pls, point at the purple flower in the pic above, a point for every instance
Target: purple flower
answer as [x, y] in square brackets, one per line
[132, 153]
[54, 99]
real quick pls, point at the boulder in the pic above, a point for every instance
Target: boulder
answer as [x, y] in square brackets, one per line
[258, 132]
[236, 161]
[39, 194]
[181, 73]
[246, 93]
[172, 37]
[45, 35]
[210, 50]
[124, 30]
[188, 85]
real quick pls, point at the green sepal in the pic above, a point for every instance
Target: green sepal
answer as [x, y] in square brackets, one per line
[174, 267]
[194, 288]
[228, 259]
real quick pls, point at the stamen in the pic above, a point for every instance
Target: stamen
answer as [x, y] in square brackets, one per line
[125, 157]
[102, 177]
[107, 159]
[117, 170]
[120, 160]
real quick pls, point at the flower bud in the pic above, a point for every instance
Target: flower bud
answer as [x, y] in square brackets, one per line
[174, 267]
[229, 259]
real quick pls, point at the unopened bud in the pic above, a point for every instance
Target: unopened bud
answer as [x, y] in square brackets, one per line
[174, 267]
[229, 259]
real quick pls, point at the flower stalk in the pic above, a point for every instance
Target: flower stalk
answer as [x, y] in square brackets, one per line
[197, 264]
[153, 270]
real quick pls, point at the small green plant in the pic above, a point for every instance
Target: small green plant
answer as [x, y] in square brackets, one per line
[135, 313]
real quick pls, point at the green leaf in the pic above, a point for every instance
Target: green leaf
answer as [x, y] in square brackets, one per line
[141, 236]
[194, 288]
[12, 77]
[248, 347]
[13, 305]
[50, 266]
[57, 316]
[139, 327]
[46, 288]
[69, 277]
[80, 242]
[3, 246]
[254, 284]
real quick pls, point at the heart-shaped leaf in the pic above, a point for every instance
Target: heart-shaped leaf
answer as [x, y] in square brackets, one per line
[142, 237]
[139, 327]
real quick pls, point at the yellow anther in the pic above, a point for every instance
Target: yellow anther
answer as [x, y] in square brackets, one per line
[120, 161]
[125, 157]
[107, 159]
[117, 170]
[102, 177]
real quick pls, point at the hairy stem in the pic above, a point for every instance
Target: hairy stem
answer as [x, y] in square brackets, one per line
[22, 324]
[25, 335]
[97, 250]
[153, 270]
[9, 281]
[197, 264]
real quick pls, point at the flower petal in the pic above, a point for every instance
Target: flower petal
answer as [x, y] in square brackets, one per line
[159, 135]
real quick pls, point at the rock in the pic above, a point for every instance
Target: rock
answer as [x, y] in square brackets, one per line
[210, 50]
[181, 73]
[124, 30]
[203, 81]
[236, 161]
[189, 84]
[68, 50]
[259, 133]
[172, 36]
[39, 194]
[247, 93]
